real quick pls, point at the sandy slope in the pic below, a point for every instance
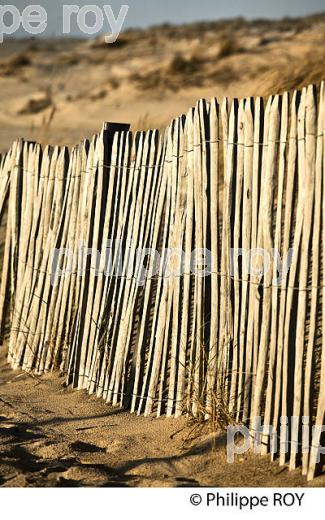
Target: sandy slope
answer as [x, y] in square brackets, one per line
[148, 77]
[53, 436]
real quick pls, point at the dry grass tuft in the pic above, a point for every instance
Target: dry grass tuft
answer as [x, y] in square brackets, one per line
[67, 60]
[14, 64]
[224, 75]
[295, 77]
[181, 65]
[178, 73]
[44, 132]
[228, 47]
[37, 104]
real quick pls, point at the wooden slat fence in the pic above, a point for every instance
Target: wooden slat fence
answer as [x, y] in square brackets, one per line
[225, 191]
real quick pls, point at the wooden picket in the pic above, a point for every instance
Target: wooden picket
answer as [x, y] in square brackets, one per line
[200, 289]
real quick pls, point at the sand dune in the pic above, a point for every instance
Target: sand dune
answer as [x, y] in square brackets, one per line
[60, 91]
[51, 436]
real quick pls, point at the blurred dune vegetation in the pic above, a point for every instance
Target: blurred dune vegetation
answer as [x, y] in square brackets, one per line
[61, 90]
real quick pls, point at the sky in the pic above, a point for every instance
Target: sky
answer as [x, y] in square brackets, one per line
[144, 13]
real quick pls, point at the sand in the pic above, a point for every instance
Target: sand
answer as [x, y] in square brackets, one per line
[52, 436]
